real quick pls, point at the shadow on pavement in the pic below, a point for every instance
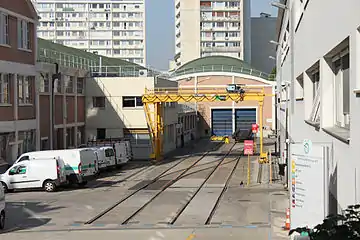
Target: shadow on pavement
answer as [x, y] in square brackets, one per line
[26, 215]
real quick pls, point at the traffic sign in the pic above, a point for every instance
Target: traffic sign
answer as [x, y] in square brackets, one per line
[254, 128]
[248, 147]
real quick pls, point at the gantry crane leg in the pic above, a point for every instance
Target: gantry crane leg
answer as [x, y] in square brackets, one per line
[263, 155]
[159, 131]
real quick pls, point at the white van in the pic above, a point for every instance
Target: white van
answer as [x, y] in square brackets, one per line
[79, 163]
[123, 152]
[106, 157]
[47, 173]
[2, 208]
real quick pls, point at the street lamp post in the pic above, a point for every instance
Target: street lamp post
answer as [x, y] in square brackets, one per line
[290, 107]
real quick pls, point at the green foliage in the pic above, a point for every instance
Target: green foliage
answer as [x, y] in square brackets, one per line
[273, 71]
[272, 74]
[336, 227]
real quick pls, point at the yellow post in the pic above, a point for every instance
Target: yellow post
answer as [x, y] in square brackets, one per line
[158, 131]
[270, 168]
[263, 155]
[248, 171]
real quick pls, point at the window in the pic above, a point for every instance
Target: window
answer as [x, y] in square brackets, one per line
[18, 170]
[4, 29]
[80, 85]
[24, 89]
[137, 136]
[315, 77]
[69, 84]
[4, 88]
[23, 34]
[341, 66]
[57, 85]
[132, 102]
[109, 153]
[44, 84]
[24, 158]
[100, 133]
[98, 102]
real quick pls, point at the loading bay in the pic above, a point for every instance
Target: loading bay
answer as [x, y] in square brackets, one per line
[200, 193]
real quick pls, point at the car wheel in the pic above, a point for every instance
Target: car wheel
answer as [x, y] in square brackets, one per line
[49, 186]
[2, 220]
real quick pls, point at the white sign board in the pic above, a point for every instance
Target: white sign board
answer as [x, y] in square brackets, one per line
[308, 181]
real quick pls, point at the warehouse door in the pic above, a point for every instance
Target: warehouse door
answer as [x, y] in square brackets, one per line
[244, 118]
[221, 122]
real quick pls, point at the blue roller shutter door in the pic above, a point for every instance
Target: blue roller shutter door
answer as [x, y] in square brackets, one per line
[244, 118]
[221, 122]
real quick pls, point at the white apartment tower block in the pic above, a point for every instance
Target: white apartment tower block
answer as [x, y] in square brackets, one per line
[114, 28]
[211, 27]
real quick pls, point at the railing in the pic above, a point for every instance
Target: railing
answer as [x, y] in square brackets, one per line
[224, 68]
[122, 71]
[199, 91]
[188, 107]
[64, 59]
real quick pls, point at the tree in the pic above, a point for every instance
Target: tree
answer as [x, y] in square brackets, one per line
[272, 74]
[333, 227]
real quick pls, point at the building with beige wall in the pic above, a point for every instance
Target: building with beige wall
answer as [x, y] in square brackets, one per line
[224, 118]
[207, 28]
[114, 109]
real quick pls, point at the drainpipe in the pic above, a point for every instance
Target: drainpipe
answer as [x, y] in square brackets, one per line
[54, 77]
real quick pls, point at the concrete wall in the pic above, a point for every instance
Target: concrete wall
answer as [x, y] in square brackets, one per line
[246, 30]
[262, 31]
[318, 35]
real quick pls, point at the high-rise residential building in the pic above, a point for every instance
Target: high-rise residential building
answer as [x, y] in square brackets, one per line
[209, 27]
[113, 28]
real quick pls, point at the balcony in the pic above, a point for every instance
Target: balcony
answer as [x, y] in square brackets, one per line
[221, 49]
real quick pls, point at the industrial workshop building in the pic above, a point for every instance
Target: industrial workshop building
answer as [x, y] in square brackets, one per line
[224, 118]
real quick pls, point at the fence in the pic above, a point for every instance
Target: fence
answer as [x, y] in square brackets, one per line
[122, 71]
[64, 59]
[224, 68]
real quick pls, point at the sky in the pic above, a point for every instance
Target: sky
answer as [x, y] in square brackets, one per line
[160, 29]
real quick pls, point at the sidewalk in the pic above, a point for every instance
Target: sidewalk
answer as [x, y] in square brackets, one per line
[277, 195]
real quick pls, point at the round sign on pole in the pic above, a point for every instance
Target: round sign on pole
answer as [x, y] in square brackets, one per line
[307, 146]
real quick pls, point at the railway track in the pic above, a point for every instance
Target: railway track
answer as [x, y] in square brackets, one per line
[209, 175]
[152, 181]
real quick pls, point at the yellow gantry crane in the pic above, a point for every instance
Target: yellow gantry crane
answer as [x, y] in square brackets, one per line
[155, 99]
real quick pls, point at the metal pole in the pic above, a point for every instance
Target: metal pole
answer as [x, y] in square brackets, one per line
[292, 83]
[248, 171]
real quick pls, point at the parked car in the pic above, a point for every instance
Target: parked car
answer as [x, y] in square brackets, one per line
[47, 173]
[80, 164]
[2, 208]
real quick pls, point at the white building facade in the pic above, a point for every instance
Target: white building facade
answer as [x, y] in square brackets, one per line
[111, 28]
[207, 28]
[326, 80]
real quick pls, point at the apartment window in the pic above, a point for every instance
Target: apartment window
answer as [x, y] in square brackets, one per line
[23, 34]
[24, 89]
[98, 102]
[45, 83]
[341, 64]
[100, 133]
[80, 85]
[4, 29]
[69, 84]
[132, 102]
[4, 88]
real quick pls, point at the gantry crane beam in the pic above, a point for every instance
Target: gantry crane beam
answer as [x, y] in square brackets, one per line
[157, 97]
